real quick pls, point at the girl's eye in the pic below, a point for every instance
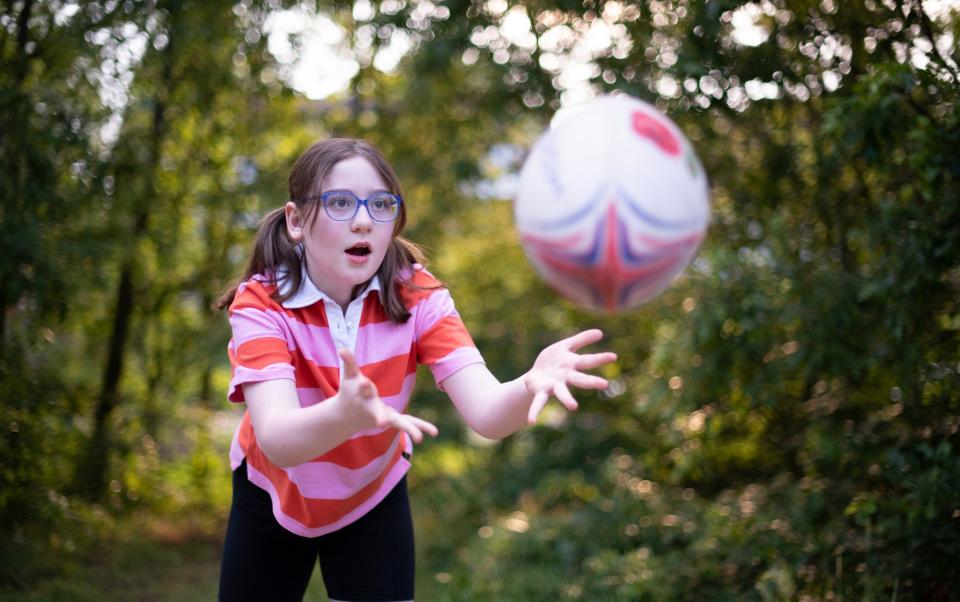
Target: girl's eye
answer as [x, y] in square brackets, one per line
[379, 204]
[341, 202]
[386, 202]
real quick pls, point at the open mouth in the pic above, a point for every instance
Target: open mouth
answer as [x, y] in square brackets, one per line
[361, 249]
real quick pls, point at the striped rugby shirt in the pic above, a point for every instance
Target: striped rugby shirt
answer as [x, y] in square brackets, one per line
[298, 340]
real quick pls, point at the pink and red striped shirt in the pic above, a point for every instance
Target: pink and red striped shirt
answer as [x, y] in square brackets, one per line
[298, 340]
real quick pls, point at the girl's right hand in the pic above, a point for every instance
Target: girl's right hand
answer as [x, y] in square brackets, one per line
[361, 406]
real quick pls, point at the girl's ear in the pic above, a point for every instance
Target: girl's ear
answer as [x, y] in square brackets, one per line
[294, 221]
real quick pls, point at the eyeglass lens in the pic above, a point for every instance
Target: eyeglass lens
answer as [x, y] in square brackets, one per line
[382, 207]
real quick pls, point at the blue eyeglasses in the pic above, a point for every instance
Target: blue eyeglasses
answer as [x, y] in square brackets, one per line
[343, 205]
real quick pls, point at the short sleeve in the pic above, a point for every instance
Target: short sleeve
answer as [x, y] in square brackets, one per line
[442, 341]
[258, 350]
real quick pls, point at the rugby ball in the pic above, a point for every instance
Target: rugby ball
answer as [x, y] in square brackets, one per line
[612, 204]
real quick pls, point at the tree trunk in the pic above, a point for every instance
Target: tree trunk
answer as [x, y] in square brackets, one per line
[92, 475]
[23, 34]
[15, 104]
[90, 478]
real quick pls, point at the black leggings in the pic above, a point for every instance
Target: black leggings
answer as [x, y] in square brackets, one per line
[369, 560]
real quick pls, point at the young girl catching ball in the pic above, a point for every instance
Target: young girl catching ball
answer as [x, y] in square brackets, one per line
[329, 322]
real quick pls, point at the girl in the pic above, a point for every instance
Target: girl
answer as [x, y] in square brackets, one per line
[329, 323]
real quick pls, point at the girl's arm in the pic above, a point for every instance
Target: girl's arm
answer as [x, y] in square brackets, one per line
[289, 434]
[495, 410]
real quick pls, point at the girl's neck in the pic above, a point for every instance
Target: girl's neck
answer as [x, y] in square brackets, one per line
[341, 297]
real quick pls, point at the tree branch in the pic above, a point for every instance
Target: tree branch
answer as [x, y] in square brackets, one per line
[21, 58]
[927, 26]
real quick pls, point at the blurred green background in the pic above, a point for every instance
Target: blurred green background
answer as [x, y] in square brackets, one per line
[784, 420]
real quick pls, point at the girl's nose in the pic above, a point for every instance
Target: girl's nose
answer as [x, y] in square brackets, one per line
[361, 222]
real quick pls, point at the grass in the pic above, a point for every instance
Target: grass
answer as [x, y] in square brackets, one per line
[146, 558]
[160, 563]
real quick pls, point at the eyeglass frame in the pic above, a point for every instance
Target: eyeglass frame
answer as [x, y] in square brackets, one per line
[360, 203]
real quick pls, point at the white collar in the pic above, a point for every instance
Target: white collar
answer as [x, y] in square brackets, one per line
[310, 294]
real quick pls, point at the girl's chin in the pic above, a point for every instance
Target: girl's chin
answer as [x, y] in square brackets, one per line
[359, 273]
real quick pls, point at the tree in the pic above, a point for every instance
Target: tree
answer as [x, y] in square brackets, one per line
[813, 366]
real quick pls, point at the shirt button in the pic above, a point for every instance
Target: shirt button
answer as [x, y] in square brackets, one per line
[349, 324]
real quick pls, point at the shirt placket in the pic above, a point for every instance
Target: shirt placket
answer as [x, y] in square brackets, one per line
[344, 327]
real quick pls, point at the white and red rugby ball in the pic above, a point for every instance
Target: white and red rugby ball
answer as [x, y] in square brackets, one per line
[612, 204]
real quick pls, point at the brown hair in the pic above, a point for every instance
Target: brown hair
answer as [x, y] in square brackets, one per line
[274, 250]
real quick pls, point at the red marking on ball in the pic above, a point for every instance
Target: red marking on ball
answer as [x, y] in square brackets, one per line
[650, 128]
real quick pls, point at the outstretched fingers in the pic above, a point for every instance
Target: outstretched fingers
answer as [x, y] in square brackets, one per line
[559, 367]
[587, 381]
[425, 427]
[419, 427]
[582, 339]
[536, 406]
[350, 368]
[595, 360]
[562, 393]
[411, 425]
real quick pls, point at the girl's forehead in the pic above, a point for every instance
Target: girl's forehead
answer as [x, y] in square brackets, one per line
[356, 174]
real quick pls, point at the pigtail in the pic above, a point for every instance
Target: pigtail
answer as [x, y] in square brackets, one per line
[273, 249]
[396, 272]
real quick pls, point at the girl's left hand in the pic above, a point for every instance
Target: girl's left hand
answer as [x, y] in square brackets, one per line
[559, 365]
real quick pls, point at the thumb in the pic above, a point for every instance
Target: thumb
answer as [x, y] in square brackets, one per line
[367, 388]
[350, 369]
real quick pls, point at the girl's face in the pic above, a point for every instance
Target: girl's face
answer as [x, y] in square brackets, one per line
[341, 255]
